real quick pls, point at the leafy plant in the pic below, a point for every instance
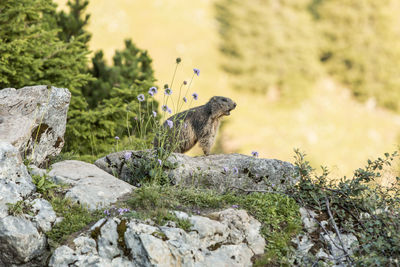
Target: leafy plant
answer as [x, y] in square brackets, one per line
[75, 218]
[359, 206]
[20, 207]
[43, 184]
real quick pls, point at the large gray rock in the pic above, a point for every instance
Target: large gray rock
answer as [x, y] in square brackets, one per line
[15, 182]
[91, 186]
[20, 242]
[231, 238]
[220, 172]
[33, 119]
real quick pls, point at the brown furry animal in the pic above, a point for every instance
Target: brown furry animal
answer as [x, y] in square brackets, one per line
[199, 124]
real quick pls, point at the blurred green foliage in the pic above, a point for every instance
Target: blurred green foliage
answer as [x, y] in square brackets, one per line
[288, 44]
[39, 45]
[268, 44]
[361, 47]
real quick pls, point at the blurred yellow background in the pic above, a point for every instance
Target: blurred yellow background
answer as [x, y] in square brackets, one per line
[332, 127]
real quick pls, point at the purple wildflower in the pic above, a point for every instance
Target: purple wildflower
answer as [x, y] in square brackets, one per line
[116, 138]
[152, 91]
[140, 97]
[170, 123]
[185, 125]
[164, 108]
[235, 170]
[168, 91]
[196, 71]
[235, 206]
[159, 161]
[185, 99]
[195, 96]
[127, 155]
[107, 212]
[154, 114]
[254, 154]
[197, 212]
[169, 111]
[226, 169]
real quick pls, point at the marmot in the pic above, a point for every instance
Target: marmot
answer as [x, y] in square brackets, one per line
[199, 124]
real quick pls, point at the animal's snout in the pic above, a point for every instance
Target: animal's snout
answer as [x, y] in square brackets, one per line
[234, 105]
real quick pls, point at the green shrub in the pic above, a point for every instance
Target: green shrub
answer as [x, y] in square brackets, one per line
[75, 218]
[359, 206]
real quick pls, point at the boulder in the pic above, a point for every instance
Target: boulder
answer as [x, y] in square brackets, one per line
[33, 119]
[90, 185]
[20, 242]
[231, 238]
[15, 181]
[225, 172]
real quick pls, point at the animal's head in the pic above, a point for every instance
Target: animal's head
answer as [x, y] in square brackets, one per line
[221, 106]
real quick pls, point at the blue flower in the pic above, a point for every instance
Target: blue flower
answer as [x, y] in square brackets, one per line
[170, 123]
[154, 114]
[169, 111]
[226, 169]
[185, 99]
[168, 91]
[235, 170]
[140, 97]
[196, 71]
[159, 161]
[235, 206]
[116, 138]
[152, 91]
[195, 96]
[254, 154]
[164, 108]
[107, 212]
[127, 155]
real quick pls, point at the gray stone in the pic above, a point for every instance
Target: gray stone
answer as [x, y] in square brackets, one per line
[34, 120]
[108, 240]
[15, 182]
[149, 245]
[62, 257]
[335, 247]
[242, 227]
[229, 256]
[85, 245]
[91, 186]
[45, 216]
[20, 242]
[220, 172]
[308, 218]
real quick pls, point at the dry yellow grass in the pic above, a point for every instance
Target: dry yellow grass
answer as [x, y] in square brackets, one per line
[330, 126]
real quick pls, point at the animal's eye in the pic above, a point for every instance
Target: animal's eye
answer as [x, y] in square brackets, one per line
[225, 100]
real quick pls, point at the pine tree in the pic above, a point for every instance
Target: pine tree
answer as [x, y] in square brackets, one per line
[73, 24]
[30, 50]
[132, 66]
